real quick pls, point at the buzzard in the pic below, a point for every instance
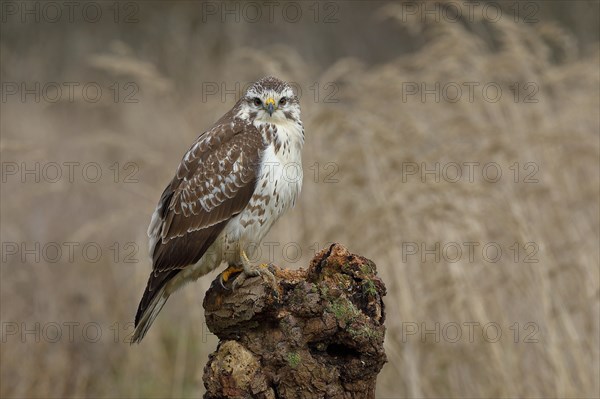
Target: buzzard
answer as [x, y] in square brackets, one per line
[230, 187]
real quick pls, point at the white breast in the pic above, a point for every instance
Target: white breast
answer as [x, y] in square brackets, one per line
[280, 177]
[277, 188]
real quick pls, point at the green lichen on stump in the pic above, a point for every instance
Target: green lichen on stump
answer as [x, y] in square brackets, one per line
[318, 333]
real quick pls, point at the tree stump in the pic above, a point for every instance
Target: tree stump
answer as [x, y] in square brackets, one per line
[317, 334]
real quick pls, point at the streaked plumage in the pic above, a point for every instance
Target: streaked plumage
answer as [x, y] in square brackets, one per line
[229, 189]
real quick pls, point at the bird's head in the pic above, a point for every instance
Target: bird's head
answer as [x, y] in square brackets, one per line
[270, 100]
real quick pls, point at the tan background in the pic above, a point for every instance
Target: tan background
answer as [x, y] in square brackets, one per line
[364, 134]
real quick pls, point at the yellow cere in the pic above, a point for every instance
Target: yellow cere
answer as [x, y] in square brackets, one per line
[270, 101]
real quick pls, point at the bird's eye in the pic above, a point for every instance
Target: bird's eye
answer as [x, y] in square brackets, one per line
[283, 101]
[257, 101]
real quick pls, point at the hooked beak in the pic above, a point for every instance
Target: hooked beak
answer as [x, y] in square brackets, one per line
[270, 103]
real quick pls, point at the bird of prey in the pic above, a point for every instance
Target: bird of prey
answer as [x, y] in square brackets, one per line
[233, 183]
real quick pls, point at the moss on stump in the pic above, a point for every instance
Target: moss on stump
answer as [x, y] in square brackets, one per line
[317, 334]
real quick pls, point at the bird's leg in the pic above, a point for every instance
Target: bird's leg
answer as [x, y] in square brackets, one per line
[250, 270]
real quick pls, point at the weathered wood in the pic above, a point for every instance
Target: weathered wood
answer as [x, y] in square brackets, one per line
[317, 334]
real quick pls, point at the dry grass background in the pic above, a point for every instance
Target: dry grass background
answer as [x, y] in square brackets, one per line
[370, 134]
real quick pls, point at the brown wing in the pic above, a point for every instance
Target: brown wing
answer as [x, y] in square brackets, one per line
[213, 183]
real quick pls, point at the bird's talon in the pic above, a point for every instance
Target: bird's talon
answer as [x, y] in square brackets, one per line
[260, 270]
[250, 270]
[239, 280]
[222, 285]
[227, 273]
